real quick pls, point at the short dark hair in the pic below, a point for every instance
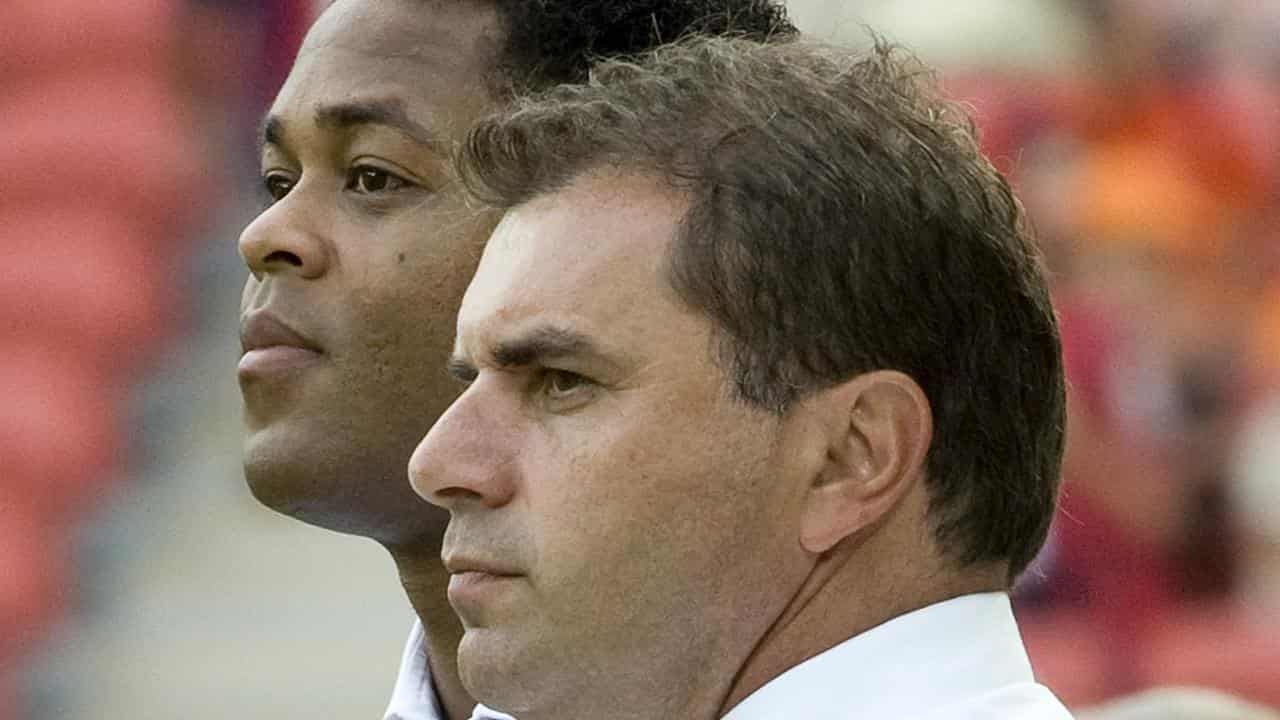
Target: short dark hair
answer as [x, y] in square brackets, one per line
[841, 220]
[549, 42]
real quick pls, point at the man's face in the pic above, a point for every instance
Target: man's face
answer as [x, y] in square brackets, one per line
[644, 518]
[362, 260]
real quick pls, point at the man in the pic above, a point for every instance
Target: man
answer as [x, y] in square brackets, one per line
[765, 400]
[361, 256]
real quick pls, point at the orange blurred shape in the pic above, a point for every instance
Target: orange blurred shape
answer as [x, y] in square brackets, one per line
[1138, 197]
[1263, 359]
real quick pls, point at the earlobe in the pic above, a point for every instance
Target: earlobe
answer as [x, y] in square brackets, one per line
[879, 426]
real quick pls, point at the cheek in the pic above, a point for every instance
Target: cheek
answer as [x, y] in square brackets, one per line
[632, 497]
[405, 334]
[422, 275]
[410, 290]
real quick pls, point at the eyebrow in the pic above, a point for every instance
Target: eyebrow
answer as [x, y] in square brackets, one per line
[539, 345]
[386, 112]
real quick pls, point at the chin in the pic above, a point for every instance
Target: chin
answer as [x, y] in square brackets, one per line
[304, 478]
[500, 673]
[277, 477]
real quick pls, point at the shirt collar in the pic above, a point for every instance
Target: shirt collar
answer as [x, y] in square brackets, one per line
[414, 695]
[925, 659]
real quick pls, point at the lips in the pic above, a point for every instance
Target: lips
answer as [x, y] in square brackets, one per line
[457, 565]
[272, 347]
[261, 329]
[475, 584]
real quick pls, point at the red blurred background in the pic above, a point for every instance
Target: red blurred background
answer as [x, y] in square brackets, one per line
[1147, 155]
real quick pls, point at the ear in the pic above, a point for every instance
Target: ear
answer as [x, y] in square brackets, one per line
[879, 426]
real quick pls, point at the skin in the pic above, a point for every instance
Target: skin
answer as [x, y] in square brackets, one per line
[618, 519]
[366, 251]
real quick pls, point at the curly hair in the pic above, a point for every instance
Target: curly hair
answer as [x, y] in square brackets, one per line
[841, 220]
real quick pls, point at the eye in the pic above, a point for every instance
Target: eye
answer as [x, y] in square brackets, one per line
[276, 185]
[368, 180]
[462, 371]
[560, 384]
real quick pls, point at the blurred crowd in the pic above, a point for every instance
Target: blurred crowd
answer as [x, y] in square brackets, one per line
[1152, 176]
[1150, 170]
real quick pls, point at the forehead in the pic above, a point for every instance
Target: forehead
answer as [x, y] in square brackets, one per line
[430, 55]
[591, 256]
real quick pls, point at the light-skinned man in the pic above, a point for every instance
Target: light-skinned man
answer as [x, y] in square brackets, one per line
[765, 400]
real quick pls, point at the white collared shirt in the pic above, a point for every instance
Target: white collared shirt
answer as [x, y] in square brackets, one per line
[414, 695]
[961, 659]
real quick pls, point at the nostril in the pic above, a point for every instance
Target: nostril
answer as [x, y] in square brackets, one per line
[285, 257]
[452, 497]
[455, 493]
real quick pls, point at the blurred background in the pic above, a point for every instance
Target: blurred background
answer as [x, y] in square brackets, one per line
[138, 579]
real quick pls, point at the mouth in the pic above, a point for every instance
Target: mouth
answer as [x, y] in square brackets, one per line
[471, 588]
[271, 347]
[469, 566]
[473, 581]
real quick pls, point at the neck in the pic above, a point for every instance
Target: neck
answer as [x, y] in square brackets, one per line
[426, 583]
[849, 591]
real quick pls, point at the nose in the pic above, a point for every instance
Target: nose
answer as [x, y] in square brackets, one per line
[469, 455]
[284, 239]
